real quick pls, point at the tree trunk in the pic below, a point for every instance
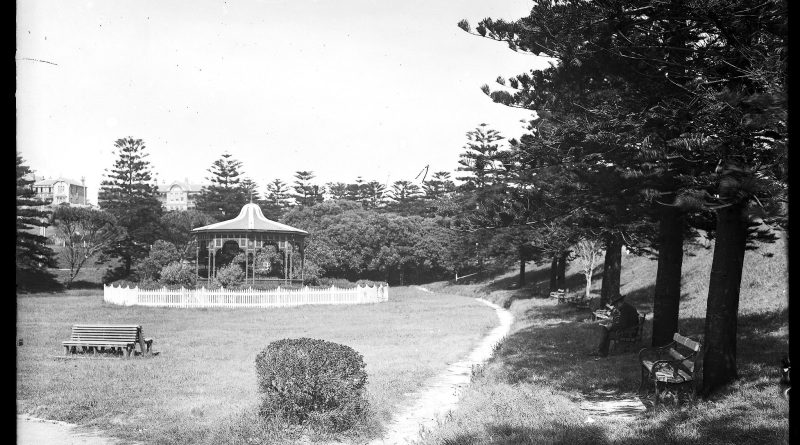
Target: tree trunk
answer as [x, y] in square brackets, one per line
[666, 298]
[521, 269]
[719, 362]
[561, 281]
[588, 291]
[612, 266]
[554, 274]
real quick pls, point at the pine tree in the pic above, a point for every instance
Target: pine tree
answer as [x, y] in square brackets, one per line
[277, 200]
[440, 186]
[250, 189]
[337, 190]
[374, 196]
[307, 194]
[33, 255]
[355, 191]
[129, 193]
[479, 159]
[226, 194]
[406, 196]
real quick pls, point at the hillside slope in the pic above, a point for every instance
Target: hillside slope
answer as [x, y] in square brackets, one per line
[532, 389]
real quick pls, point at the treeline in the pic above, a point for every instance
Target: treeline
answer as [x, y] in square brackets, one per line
[358, 230]
[229, 190]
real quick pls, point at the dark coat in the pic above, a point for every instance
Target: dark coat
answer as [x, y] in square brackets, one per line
[623, 316]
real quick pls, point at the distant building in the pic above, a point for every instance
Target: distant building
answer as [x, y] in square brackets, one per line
[61, 190]
[178, 195]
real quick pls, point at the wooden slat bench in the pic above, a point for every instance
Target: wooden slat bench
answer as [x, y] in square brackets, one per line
[627, 336]
[117, 338]
[559, 295]
[672, 365]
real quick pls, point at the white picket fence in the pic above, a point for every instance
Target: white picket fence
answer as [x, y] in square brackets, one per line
[246, 298]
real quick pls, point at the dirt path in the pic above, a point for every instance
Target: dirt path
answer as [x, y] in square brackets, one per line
[35, 431]
[440, 395]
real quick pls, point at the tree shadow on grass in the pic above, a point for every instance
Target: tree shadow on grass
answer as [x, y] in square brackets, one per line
[717, 427]
[83, 284]
[557, 349]
[505, 434]
[537, 285]
[669, 427]
[37, 282]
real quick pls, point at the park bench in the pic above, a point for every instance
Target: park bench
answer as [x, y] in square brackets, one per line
[627, 336]
[579, 301]
[96, 338]
[670, 366]
[559, 295]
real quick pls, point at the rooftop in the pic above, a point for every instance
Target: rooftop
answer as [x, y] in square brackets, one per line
[250, 219]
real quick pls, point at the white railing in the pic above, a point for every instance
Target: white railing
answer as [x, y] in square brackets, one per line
[133, 296]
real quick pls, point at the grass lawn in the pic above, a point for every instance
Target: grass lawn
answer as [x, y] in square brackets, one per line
[201, 388]
[529, 393]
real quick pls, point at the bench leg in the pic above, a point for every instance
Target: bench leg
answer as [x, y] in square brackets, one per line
[127, 352]
[66, 350]
[655, 399]
[643, 381]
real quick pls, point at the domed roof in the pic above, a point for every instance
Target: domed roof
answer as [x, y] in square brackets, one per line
[250, 219]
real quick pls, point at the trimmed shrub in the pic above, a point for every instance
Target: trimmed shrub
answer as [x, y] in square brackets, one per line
[178, 274]
[312, 381]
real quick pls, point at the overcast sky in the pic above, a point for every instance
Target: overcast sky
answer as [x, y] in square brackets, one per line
[343, 88]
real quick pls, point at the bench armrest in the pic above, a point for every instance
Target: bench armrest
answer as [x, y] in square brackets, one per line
[654, 351]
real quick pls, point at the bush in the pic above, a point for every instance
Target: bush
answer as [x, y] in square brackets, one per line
[162, 253]
[178, 274]
[229, 276]
[312, 381]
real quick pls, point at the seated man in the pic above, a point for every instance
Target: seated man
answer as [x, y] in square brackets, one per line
[622, 316]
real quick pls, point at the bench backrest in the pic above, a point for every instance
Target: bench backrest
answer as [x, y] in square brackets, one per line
[107, 332]
[688, 355]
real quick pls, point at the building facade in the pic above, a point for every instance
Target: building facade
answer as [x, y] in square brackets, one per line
[61, 191]
[178, 195]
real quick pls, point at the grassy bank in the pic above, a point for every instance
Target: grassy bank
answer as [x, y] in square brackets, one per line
[530, 392]
[201, 388]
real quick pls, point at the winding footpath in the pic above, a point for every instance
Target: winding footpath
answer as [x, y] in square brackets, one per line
[440, 395]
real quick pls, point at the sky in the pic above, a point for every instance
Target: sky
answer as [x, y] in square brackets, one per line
[342, 88]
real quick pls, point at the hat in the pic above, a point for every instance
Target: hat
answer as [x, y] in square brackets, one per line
[616, 297]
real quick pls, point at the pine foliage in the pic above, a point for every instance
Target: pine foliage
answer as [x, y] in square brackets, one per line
[227, 193]
[129, 193]
[32, 251]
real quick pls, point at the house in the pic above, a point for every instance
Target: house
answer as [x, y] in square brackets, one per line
[61, 190]
[178, 195]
